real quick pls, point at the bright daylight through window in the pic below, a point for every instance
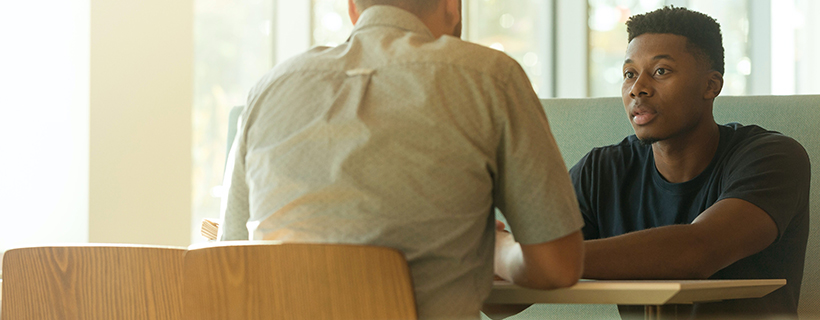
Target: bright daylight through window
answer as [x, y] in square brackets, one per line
[768, 51]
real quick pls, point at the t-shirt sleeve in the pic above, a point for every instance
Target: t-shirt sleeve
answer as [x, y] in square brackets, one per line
[773, 173]
[581, 175]
[532, 187]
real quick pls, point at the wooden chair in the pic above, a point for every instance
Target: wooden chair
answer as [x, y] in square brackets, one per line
[92, 281]
[253, 280]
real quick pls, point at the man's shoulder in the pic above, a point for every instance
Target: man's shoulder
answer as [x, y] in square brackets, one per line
[313, 60]
[754, 148]
[752, 131]
[404, 52]
[452, 52]
[753, 138]
[473, 53]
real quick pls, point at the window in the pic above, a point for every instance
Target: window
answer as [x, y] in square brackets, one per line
[794, 47]
[568, 48]
[608, 41]
[767, 43]
[233, 48]
[521, 28]
[733, 17]
[331, 24]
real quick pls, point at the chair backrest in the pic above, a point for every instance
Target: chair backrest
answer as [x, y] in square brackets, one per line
[254, 280]
[581, 124]
[92, 282]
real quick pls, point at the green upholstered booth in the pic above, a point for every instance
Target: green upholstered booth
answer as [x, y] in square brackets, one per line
[581, 124]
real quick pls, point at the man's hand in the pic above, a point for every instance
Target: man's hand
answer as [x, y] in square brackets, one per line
[549, 265]
[499, 225]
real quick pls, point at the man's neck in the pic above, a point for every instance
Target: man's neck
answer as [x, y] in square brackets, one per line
[680, 159]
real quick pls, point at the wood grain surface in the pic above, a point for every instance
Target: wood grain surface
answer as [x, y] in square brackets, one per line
[92, 282]
[250, 281]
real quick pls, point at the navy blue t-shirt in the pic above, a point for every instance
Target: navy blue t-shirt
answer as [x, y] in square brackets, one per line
[620, 190]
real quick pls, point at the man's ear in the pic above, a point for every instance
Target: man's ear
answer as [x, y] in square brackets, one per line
[352, 12]
[452, 11]
[714, 85]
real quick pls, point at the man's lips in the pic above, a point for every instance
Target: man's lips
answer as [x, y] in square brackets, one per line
[642, 116]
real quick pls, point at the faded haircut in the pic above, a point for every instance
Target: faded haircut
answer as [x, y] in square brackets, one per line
[701, 31]
[420, 8]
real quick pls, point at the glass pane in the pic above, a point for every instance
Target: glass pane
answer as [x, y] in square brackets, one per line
[520, 28]
[233, 49]
[331, 24]
[733, 17]
[807, 66]
[608, 41]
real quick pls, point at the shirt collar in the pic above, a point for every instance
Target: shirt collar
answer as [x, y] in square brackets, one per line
[389, 16]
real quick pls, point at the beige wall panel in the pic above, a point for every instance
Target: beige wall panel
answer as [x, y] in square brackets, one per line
[140, 113]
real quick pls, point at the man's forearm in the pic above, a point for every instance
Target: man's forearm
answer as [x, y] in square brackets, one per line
[728, 231]
[671, 252]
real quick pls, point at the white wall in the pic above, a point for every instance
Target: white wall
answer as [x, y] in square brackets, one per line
[140, 133]
[43, 122]
[95, 121]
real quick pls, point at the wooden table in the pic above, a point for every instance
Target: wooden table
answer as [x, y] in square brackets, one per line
[652, 294]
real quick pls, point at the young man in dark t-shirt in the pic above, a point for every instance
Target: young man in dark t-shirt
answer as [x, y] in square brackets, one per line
[686, 198]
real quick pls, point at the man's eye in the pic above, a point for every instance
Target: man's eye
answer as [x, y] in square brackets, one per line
[628, 75]
[660, 71]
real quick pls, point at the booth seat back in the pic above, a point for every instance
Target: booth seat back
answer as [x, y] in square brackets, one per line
[582, 124]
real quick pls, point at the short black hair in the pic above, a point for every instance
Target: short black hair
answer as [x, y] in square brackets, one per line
[702, 31]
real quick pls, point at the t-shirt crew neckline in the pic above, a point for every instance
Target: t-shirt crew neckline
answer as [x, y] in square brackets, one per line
[697, 182]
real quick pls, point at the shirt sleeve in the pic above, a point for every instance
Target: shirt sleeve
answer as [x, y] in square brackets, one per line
[235, 208]
[773, 173]
[581, 175]
[532, 186]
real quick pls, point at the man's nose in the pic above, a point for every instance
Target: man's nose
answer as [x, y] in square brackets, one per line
[641, 87]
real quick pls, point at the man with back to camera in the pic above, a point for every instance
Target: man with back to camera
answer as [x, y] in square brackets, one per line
[686, 198]
[407, 137]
